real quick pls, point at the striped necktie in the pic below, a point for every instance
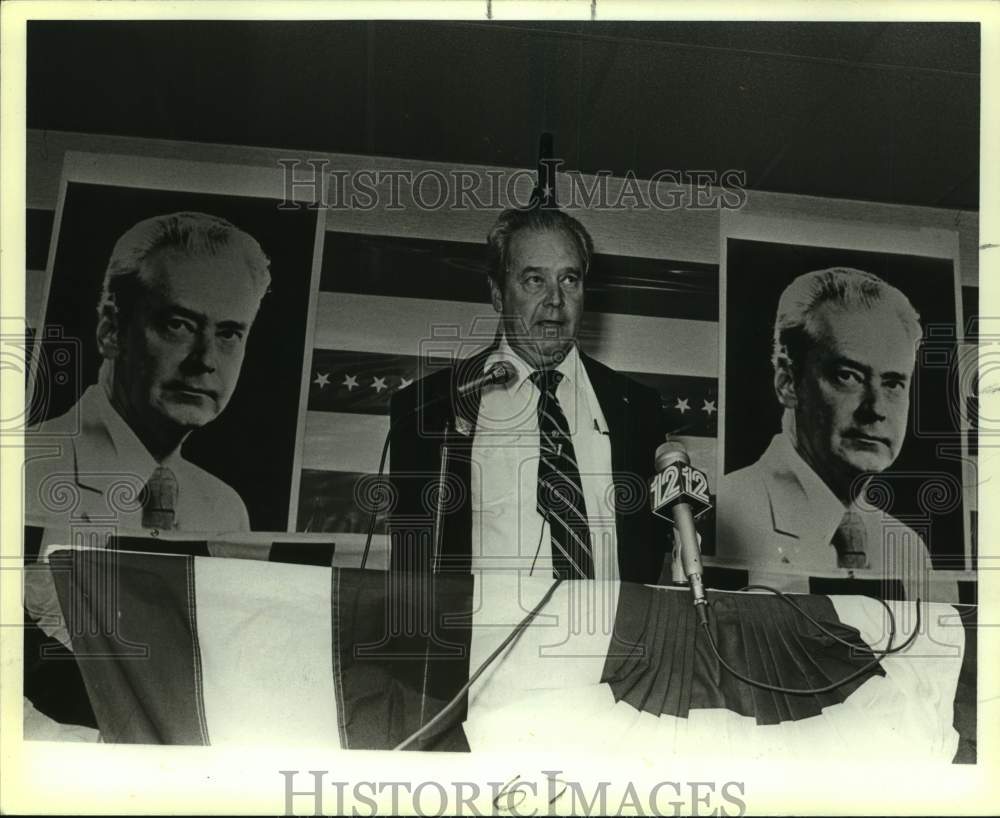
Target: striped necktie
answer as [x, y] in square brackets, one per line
[159, 502]
[850, 541]
[560, 496]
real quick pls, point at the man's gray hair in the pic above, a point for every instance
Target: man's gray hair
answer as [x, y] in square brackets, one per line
[849, 289]
[194, 234]
[510, 221]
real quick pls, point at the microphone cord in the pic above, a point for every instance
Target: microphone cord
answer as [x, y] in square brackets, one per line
[812, 691]
[510, 639]
[374, 512]
[504, 374]
[515, 634]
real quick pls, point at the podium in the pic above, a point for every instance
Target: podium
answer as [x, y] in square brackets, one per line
[241, 652]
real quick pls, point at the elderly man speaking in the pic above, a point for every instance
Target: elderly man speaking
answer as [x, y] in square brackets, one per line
[547, 471]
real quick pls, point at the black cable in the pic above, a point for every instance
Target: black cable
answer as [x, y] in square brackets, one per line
[385, 453]
[371, 521]
[523, 624]
[538, 548]
[892, 621]
[508, 640]
[499, 373]
[834, 685]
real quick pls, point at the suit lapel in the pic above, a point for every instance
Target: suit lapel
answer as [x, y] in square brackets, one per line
[94, 452]
[465, 413]
[462, 416]
[786, 495]
[614, 404]
[95, 474]
[108, 488]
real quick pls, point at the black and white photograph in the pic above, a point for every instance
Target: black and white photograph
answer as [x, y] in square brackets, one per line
[829, 347]
[497, 414]
[106, 231]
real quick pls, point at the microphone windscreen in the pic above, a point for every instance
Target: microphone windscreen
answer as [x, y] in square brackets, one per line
[503, 371]
[671, 451]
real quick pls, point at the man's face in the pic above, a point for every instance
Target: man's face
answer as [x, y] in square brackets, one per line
[542, 296]
[181, 346]
[852, 393]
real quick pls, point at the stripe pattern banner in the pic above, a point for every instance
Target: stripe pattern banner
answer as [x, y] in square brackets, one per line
[364, 383]
[382, 297]
[394, 309]
[239, 652]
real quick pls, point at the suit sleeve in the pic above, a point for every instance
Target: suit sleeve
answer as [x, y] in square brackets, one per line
[409, 542]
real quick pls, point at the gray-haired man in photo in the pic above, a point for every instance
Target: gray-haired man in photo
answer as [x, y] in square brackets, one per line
[844, 351]
[180, 296]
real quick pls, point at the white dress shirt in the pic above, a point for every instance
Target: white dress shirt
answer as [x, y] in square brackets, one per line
[101, 465]
[822, 512]
[508, 533]
[778, 518]
[106, 454]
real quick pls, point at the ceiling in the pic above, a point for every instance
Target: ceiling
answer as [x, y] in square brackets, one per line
[873, 111]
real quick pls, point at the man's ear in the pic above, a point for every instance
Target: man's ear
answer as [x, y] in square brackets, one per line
[108, 343]
[496, 296]
[784, 385]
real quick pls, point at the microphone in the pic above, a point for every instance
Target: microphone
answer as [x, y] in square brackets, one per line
[501, 372]
[680, 495]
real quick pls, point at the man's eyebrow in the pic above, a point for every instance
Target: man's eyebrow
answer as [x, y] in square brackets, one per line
[184, 312]
[845, 361]
[534, 268]
[240, 325]
[201, 318]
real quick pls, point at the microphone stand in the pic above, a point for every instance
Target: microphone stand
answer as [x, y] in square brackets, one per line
[499, 373]
[436, 539]
[438, 532]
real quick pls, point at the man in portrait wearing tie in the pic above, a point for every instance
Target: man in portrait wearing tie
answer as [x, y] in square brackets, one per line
[844, 350]
[180, 295]
[547, 473]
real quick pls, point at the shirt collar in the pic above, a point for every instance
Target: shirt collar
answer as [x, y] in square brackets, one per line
[569, 367]
[822, 510]
[129, 450]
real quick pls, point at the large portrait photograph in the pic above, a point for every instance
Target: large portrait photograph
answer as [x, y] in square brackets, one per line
[208, 374]
[846, 360]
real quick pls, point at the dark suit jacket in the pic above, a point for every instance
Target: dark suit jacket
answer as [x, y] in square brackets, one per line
[419, 414]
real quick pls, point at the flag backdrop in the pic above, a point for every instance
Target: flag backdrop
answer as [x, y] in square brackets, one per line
[386, 302]
[193, 650]
[390, 309]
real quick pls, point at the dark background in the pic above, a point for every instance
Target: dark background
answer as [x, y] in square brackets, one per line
[756, 274]
[883, 112]
[251, 445]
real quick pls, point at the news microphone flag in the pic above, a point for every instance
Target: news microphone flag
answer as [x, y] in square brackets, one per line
[679, 493]
[677, 481]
